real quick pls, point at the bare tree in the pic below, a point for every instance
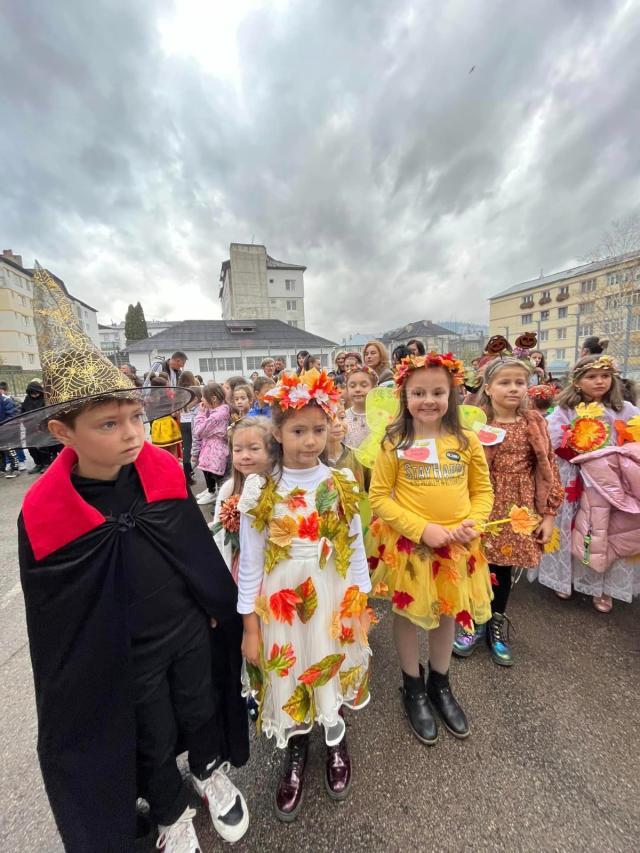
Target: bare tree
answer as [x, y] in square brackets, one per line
[609, 304]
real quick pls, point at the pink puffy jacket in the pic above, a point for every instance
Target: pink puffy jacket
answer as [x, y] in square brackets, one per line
[609, 508]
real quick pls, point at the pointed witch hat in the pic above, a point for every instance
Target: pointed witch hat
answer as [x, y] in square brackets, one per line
[75, 371]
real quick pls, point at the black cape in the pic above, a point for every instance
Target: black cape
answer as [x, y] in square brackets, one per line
[76, 600]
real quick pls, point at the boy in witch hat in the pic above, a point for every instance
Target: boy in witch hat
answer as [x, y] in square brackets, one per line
[122, 582]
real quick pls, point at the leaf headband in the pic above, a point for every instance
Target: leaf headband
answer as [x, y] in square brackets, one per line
[295, 392]
[603, 362]
[410, 363]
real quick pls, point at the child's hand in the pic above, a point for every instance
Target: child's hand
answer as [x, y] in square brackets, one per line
[466, 532]
[251, 647]
[436, 536]
[544, 530]
[365, 622]
[214, 622]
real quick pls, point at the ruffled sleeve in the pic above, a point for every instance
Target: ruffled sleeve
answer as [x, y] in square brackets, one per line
[251, 492]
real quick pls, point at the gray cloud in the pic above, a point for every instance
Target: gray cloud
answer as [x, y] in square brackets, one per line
[356, 141]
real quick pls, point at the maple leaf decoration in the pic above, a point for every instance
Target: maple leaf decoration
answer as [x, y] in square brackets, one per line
[381, 588]
[346, 635]
[322, 672]
[283, 605]
[296, 499]
[435, 568]
[522, 520]
[353, 603]
[282, 530]
[463, 617]
[401, 599]
[281, 659]
[553, 544]
[573, 491]
[308, 526]
[471, 565]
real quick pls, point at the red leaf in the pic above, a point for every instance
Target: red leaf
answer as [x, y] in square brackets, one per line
[494, 579]
[443, 553]
[401, 599]
[435, 568]
[471, 565]
[405, 545]
[463, 617]
[574, 490]
[308, 527]
[283, 605]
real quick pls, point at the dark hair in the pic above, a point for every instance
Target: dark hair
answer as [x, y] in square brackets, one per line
[186, 380]
[304, 353]
[69, 418]
[422, 350]
[234, 381]
[260, 382]
[180, 354]
[571, 396]
[630, 391]
[307, 362]
[595, 345]
[401, 432]
[400, 352]
[199, 379]
[4, 385]
[159, 380]
[543, 363]
[212, 391]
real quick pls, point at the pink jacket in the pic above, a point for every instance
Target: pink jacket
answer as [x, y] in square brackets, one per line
[609, 509]
[210, 429]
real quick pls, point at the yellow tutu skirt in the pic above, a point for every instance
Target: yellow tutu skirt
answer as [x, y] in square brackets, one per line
[424, 584]
[165, 432]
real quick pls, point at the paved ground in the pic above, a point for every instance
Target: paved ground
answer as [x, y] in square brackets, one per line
[552, 763]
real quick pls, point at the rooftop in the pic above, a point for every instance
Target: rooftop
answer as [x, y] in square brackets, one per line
[272, 263]
[229, 334]
[419, 329]
[584, 269]
[30, 273]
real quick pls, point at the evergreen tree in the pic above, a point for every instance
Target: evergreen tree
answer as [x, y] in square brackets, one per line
[130, 324]
[141, 323]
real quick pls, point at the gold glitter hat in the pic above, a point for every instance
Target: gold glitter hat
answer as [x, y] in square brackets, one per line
[75, 371]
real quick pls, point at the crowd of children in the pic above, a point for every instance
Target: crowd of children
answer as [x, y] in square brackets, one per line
[454, 510]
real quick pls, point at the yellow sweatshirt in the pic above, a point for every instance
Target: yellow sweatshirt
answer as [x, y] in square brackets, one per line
[408, 494]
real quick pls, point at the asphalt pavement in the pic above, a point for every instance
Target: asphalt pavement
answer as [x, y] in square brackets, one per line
[552, 763]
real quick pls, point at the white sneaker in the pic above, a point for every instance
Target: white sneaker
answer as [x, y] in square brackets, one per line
[7, 467]
[207, 498]
[22, 466]
[11, 474]
[227, 807]
[202, 494]
[179, 837]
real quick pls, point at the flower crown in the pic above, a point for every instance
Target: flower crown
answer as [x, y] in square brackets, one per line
[603, 362]
[362, 368]
[410, 363]
[295, 392]
[545, 392]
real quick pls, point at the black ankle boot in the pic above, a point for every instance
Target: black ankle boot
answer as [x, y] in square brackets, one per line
[290, 787]
[416, 706]
[446, 704]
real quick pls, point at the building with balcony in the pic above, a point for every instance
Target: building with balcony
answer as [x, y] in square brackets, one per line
[255, 286]
[18, 344]
[600, 298]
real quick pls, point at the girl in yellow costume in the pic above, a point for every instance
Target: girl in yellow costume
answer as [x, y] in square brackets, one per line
[431, 492]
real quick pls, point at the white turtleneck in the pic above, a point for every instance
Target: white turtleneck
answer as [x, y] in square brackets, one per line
[252, 542]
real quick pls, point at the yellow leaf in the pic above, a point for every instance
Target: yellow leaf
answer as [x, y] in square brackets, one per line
[282, 530]
[336, 627]
[348, 495]
[350, 677]
[553, 544]
[263, 510]
[298, 704]
[523, 521]
[381, 588]
[589, 410]
[353, 602]
[261, 607]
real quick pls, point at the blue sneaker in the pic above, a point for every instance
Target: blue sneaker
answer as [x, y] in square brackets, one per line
[464, 643]
[496, 640]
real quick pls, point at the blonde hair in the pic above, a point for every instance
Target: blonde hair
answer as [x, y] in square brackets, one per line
[571, 396]
[263, 426]
[382, 352]
[489, 373]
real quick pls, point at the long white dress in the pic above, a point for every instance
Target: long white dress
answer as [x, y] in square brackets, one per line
[314, 655]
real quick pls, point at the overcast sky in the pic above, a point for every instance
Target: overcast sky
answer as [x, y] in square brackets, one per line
[416, 156]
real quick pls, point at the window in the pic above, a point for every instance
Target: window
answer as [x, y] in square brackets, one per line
[614, 278]
[563, 312]
[544, 334]
[587, 307]
[527, 318]
[254, 362]
[24, 301]
[615, 301]
[270, 281]
[613, 327]
[546, 294]
[31, 358]
[206, 365]
[635, 297]
[293, 323]
[294, 361]
[563, 292]
[290, 285]
[560, 353]
[585, 330]
[292, 304]
[544, 315]
[561, 334]
[588, 285]
[209, 365]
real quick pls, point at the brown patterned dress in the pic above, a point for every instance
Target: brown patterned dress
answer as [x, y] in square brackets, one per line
[512, 478]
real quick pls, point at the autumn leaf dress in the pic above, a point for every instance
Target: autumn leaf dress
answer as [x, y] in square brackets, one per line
[303, 571]
[407, 492]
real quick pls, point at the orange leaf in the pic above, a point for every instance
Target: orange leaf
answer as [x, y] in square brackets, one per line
[446, 608]
[322, 672]
[353, 602]
[296, 499]
[283, 605]
[523, 521]
[381, 588]
[309, 526]
[282, 530]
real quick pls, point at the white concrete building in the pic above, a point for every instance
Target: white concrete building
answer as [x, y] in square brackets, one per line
[113, 339]
[255, 286]
[218, 349]
[18, 345]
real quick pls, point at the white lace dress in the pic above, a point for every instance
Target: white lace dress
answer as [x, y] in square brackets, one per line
[558, 569]
[314, 655]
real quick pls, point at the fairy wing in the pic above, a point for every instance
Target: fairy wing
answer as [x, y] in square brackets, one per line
[381, 409]
[470, 415]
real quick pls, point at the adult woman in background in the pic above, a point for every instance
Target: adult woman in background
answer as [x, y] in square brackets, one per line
[377, 358]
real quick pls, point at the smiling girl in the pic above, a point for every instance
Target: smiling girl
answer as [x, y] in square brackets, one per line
[430, 489]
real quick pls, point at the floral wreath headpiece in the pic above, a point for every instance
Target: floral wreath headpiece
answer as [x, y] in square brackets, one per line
[603, 362]
[296, 392]
[545, 392]
[410, 363]
[362, 368]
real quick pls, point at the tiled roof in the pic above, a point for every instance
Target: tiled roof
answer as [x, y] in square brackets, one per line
[419, 329]
[583, 270]
[218, 334]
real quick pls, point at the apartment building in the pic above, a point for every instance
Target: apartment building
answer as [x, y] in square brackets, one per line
[255, 286]
[114, 340]
[600, 298]
[18, 344]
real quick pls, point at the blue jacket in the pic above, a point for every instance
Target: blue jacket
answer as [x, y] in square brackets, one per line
[7, 408]
[257, 409]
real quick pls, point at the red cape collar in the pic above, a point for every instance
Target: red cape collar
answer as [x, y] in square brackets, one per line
[54, 513]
